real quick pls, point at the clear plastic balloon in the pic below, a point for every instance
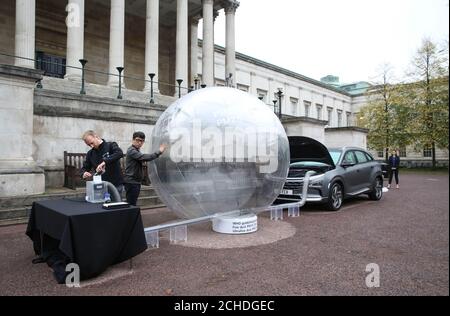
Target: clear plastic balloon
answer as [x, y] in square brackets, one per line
[227, 151]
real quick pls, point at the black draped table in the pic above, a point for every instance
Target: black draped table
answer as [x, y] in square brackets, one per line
[87, 234]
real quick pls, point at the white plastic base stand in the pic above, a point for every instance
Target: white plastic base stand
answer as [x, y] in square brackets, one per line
[294, 211]
[276, 213]
[235, 224]
[152, 238]
[178, 234]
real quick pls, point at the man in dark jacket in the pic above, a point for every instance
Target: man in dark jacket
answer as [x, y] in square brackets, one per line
[133, 166]
[103, 158]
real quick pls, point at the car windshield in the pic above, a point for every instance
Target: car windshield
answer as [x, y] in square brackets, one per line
[335, 155]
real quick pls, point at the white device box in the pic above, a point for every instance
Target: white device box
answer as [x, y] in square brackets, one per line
[95, 191]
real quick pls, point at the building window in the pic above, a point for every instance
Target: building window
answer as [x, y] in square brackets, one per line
[319, 111]
[330, 115]
[242, 87]
[402, 152]
[53, 66]
[339, 114]
[220, 83]
[307, 105]
[294, 106]
[262, 95]
[427, 152]
[349, 119]
[380, 153]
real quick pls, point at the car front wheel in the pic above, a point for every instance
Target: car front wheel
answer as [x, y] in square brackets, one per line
[377, 191]
[335, 197]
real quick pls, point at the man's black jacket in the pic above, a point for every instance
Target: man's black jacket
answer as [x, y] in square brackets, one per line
[110, 153]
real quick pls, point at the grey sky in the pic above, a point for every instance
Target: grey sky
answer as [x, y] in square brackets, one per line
[346, 38]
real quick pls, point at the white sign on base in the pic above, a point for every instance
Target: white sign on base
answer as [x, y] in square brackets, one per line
[236, 225]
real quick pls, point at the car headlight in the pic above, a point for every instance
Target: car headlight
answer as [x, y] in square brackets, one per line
[316, 181]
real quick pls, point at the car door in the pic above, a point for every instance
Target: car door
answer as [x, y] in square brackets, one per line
[364, 170]
[350, 174]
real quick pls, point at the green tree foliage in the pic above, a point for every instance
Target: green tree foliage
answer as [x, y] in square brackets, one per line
[414, 113]
[429, 96]
[385, 114]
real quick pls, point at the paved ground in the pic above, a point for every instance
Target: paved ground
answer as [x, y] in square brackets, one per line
[406, 234]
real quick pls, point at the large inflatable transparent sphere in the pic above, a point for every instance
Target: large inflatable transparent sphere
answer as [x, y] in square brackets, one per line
[227, 151]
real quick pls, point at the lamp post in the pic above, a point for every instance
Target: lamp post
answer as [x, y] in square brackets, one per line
[274, 106]
[151, 75]
[179, 81]
[83, 63]
[229, 80]
[280, 95]
[386, 118]
[196, 83]
[120, 69]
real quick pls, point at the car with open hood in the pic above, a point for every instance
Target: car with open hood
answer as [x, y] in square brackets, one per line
[339, 173]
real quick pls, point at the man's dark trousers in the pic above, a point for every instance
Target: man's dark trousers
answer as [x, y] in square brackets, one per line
[132, 191]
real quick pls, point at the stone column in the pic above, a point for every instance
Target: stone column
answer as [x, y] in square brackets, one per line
[25, 32]
[75, 38]
[301, 111]
[19, 173]
[253, 89]
[182, 52]
[208, 43]
[194, 50]
[152, 44]
[116, 40]
[230, 49]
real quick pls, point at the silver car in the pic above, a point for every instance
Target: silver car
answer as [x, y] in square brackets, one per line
[340, 173]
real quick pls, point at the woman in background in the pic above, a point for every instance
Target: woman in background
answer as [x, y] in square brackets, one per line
[394, 164]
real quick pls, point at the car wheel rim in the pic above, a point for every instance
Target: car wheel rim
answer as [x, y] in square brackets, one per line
[379, 189]
[336, 196]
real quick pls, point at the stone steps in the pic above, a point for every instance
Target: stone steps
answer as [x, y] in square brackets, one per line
[13, 213]
[16, 210]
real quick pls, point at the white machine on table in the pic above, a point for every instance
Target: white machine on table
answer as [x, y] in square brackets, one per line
[96, 190]
[99, 191]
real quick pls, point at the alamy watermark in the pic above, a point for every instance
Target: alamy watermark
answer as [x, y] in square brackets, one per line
[231, 145]
[73, 277]
[373, 278]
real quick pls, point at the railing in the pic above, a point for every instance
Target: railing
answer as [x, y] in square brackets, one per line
[179, 88]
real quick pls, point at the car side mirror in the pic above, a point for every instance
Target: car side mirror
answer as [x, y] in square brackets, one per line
[346, 164]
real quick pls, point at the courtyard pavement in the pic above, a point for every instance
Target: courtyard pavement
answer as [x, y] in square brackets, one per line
[319, 253]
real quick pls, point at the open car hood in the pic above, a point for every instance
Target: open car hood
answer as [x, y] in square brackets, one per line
[308, 149]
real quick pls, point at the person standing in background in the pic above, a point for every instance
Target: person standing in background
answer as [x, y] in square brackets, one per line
[394, 164]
